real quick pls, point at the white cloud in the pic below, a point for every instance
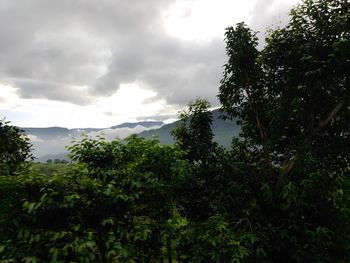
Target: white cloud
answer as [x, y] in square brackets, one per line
[34, 138]
[56, 144]
[125, 105]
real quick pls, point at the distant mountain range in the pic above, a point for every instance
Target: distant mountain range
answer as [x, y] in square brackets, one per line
[53, 132]
[224, 131]
[147, 124]
[49, 143]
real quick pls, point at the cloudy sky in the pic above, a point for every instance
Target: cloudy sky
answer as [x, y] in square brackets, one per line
[86, 63]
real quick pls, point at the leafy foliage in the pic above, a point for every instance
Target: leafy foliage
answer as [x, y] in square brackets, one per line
[50, 169]
[14, 149]
[194, 134]
[292, 98]
[122, 211]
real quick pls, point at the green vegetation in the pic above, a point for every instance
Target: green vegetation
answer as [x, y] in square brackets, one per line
[50, 168]
[279, 193]
[14, 149]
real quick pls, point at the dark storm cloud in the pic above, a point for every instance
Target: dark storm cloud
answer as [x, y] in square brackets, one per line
[47, 47]
[33, 89]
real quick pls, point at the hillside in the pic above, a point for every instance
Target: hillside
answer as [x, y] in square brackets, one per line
[223, 131]
[49, 143]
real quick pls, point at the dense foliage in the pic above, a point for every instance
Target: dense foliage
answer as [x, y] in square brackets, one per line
[281, 193]
[293, 100]
[14, 149]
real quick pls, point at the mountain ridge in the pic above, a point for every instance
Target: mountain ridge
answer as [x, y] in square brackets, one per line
[224, 131]
[49, 142]
[147, 124]
[52, 140]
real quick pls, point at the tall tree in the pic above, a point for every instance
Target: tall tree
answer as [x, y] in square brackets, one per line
[293, 99]
[294, 93]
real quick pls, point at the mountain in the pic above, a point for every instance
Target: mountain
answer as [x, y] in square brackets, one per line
[60, 156]
[49, 132]
[147, 124]
[51, 142]
[223, 131]
[54, 132]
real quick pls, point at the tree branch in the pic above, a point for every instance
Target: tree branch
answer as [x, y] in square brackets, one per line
[260, 126]
[323, 123]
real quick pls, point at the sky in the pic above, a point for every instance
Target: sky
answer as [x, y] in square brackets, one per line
[87, 63]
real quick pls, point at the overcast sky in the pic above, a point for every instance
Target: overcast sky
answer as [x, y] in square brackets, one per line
[87, 63]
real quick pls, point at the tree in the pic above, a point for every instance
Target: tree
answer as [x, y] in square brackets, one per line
[292, 98]
[208, 195]
[294, 93]
[194, 134]
[194, 137]
[14, 149]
